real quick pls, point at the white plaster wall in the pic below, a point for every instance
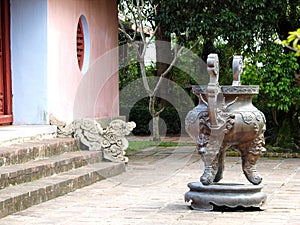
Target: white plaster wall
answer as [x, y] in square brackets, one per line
[29, 61]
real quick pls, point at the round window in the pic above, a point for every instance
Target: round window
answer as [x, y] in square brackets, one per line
[83, 44]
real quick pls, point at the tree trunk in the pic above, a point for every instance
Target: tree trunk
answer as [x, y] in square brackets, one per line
[164, 56]
[155, 126]
[155, 119]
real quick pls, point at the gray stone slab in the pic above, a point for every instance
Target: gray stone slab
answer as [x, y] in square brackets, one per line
[115, 201]
[22, 196]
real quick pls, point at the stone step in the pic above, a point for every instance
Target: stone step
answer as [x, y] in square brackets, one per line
[12, 134]
[31, 150]
[22, 196]
[36, 169]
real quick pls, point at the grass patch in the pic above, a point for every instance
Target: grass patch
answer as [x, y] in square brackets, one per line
[138, 145]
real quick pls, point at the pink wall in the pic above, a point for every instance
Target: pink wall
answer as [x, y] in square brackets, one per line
[95, 93]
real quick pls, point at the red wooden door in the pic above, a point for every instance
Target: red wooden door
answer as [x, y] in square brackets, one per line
[5, 74]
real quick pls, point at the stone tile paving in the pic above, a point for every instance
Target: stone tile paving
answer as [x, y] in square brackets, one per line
[152, 190]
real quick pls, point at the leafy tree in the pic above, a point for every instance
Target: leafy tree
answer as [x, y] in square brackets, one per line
[274, 71]
[242, 26]
[239, 23]
[247, 27]
[140, 14]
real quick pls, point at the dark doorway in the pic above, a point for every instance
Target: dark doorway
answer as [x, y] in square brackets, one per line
[5, 71]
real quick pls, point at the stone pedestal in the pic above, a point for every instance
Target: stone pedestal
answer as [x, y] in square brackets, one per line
[204, 197]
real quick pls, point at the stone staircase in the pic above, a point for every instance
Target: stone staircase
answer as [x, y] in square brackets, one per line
[35, 171]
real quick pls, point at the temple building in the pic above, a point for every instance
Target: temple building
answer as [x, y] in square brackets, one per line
[58, 58]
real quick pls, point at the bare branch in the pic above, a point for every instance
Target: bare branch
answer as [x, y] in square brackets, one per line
[153, 34]
[144, 78]
[162, 109]
[154, 13]
[185, 52]
[151, 105]
[141, 26]
[145, 46]
[291, 48]
[171, 64]
[123, 30]
[134, 18]
[166, 72]
[177, 54]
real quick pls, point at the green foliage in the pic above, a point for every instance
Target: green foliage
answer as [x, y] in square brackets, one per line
[248, 28]
[274, 72]
[239, 23]
[128, 74]
[139, 113]
[141, 116]
[244, 25]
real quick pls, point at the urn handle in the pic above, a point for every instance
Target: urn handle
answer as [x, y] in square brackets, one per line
[213, 88]
[213, 68]
[237, 69]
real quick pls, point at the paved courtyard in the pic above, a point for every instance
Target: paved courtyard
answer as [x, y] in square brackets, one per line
[152, 190]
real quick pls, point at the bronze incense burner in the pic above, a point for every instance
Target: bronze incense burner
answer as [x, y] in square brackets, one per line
[226, 118]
